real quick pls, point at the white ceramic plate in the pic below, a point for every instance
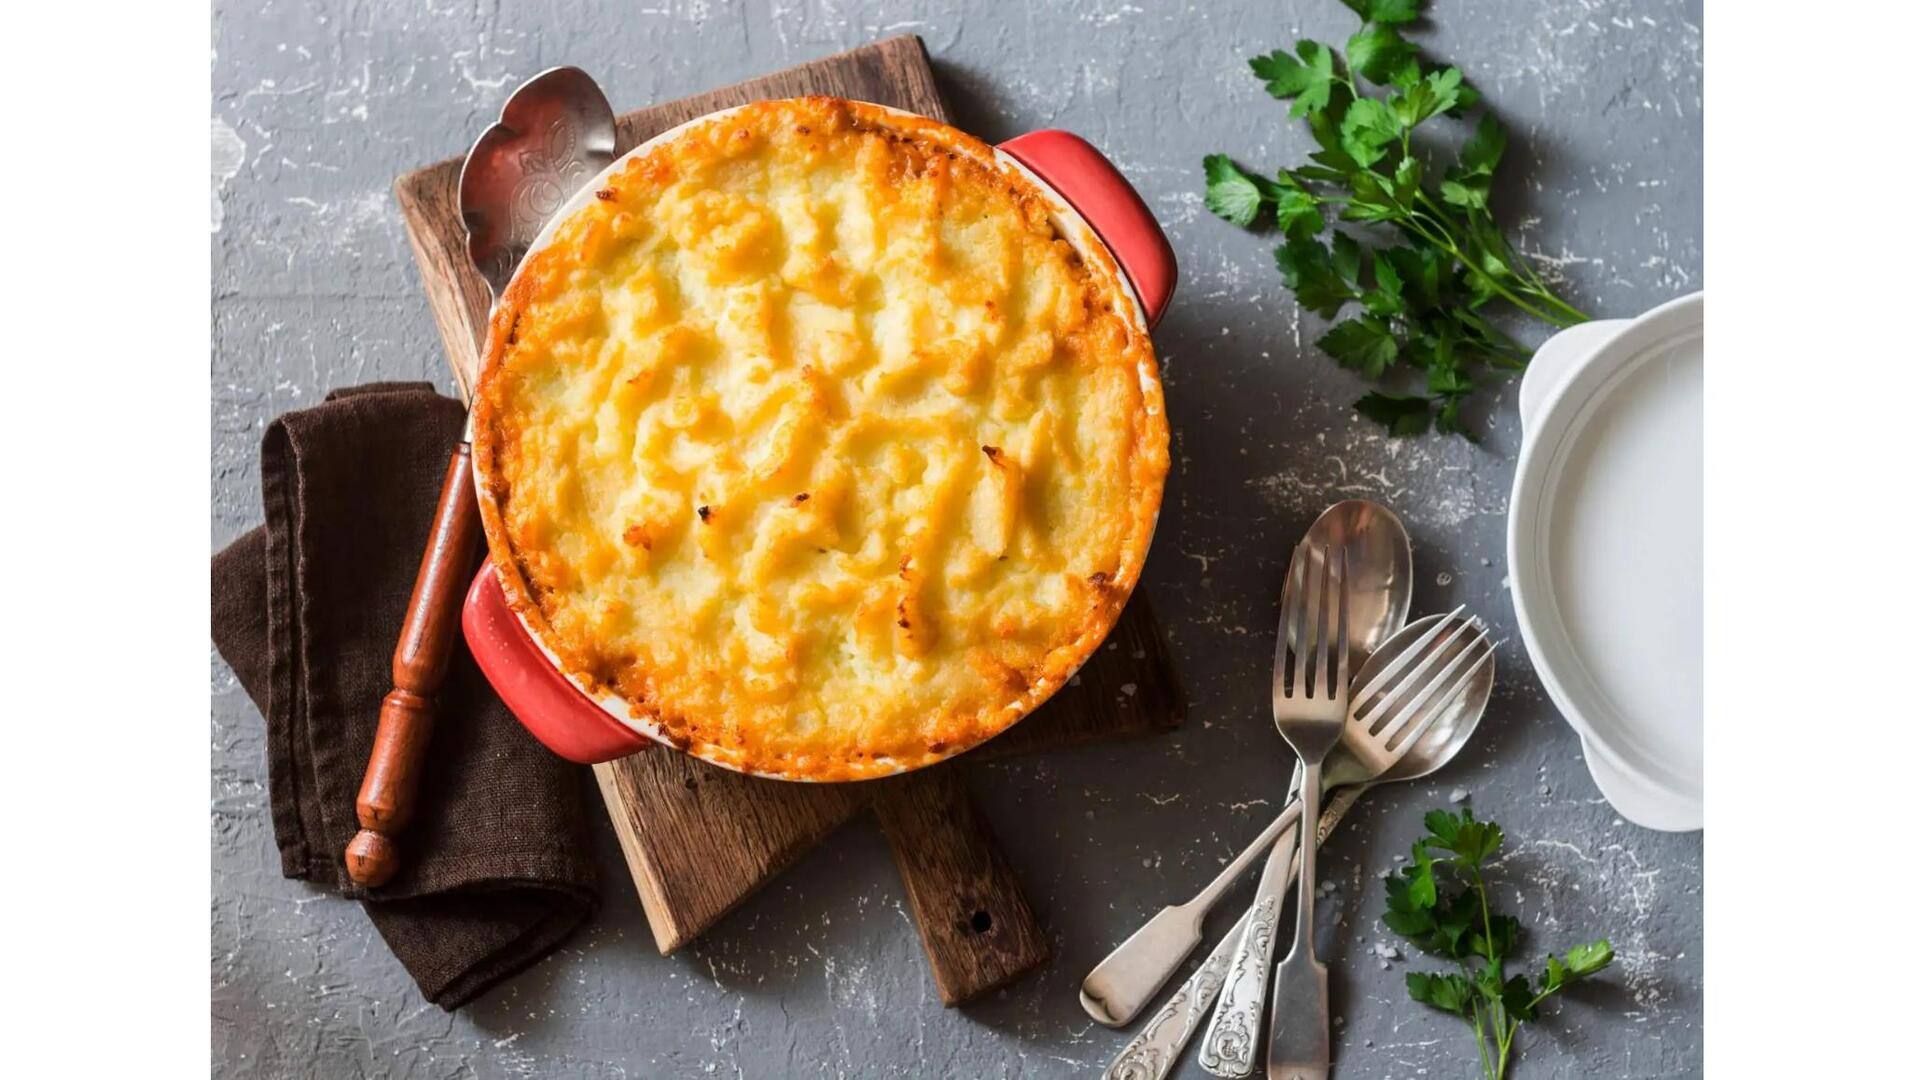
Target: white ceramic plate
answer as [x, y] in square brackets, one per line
[1604, 549]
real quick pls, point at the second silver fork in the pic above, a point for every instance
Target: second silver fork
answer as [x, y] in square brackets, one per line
[1310, 710]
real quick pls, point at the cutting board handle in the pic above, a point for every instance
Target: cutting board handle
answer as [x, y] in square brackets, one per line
[391, 786]
[975, 924]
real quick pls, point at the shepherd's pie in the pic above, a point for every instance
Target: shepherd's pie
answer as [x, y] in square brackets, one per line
[812, 438]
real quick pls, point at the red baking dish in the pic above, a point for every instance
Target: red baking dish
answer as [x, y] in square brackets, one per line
[1090, 196]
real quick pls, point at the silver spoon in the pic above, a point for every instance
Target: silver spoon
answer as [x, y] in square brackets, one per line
[1380, 568]
[554, 134]
[1152, 1053]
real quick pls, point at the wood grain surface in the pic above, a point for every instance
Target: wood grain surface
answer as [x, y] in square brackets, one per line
[699, 839]
[974, 921]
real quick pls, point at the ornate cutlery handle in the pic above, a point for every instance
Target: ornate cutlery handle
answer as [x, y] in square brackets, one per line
[1228, 1048]
[1152, 1054]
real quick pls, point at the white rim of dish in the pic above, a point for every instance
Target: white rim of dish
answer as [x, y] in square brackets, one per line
[1543, 452]
[1071, 224]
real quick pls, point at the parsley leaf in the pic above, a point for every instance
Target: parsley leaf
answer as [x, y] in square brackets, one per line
[1436, 93]
[1298, 213]
[1584, 960]
[1365, 344]
[1399, 415]
[1454, 919]
[1441, 258]
[1386, 11]
[1367, 130]
[1384, 299]
[1307, 268]
[1309, 80]
[1470, 183]
[1516, 997]
[1231, 193]
[1483, 149]
[1377, 51]
[1449, 992]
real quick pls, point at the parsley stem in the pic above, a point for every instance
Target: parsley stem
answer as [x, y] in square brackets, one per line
[1486, 916]
[1530, 281]
[1480, 1043]
[1444, 241]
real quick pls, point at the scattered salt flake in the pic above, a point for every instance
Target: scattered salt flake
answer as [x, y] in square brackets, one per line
[1075, 681]
[1458, 795]
[1385, 951]
[1399, 858]
[1385, 874]
[1129, 689]
[1384, 966]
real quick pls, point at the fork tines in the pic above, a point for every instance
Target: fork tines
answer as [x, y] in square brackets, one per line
[1403, 700]
[1313, 619]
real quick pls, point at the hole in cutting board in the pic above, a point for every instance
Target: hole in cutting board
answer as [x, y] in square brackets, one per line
[981, 922]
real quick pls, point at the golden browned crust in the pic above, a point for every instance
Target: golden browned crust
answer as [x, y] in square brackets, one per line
[813, 440]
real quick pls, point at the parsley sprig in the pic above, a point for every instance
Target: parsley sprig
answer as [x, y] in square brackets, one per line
[1439, 259]
[1440, 903]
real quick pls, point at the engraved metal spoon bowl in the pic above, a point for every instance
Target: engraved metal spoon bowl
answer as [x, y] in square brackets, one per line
[1380, 590]
[554, 134]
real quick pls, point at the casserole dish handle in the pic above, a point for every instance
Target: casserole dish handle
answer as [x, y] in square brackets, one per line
[541, 698]
[1089, 182]
[1555, 361]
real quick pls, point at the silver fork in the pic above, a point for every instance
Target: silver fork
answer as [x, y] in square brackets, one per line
[1310, 710]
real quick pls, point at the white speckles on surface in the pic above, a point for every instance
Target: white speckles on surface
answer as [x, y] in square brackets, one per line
[317, 107]
[229, 153]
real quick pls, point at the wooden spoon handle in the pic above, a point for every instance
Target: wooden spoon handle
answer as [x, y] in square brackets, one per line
[392, 783]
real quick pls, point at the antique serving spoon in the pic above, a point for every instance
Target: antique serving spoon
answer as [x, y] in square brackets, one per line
[1152, 1053]
[554, 134]
[1380, 589]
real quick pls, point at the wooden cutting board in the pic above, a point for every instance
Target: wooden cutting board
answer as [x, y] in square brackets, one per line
[700, 839]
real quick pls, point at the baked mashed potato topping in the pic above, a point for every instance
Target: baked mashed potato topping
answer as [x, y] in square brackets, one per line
[813, 439]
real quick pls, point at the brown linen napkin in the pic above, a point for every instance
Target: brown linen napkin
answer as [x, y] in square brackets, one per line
[497, 870]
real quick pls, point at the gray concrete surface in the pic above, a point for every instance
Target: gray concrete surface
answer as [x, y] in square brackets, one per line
[317, 105]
